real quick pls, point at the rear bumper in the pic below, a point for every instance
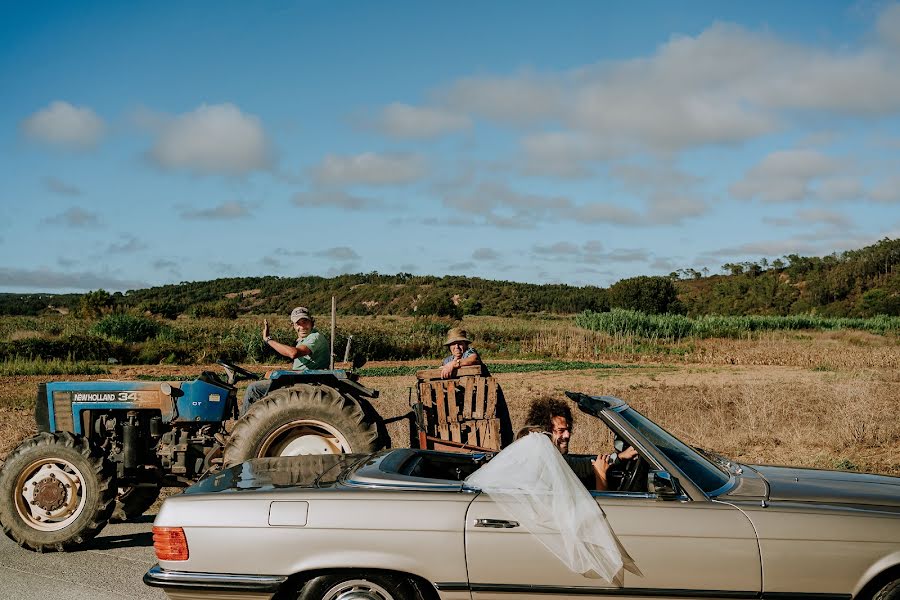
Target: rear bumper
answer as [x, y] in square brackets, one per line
[185, 584]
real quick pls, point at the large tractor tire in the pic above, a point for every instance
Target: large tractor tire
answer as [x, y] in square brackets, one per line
[301, 419]
[133, 501]
[56, 493]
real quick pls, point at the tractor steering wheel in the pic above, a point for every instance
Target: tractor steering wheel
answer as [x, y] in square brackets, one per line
[244, 373]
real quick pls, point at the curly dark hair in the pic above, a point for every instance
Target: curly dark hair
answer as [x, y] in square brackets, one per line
[543, 409]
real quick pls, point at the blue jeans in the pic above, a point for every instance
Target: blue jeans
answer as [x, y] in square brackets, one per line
[257, 390]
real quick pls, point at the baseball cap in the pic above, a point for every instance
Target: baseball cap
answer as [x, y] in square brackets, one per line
[301, 312]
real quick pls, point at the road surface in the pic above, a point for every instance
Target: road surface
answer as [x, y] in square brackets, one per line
[109, 568]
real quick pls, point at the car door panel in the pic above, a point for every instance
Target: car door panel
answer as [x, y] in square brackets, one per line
[701, 547]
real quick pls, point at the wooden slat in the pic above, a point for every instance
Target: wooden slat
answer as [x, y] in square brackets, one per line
[471, 433]
[452, 407]
[441, 405]
[423, 391]
[480, 398]
[468, 388]
[481, 431]
[491, 408]
[455, 434]
[495, 434]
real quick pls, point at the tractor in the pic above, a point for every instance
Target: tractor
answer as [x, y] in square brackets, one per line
[104, 449]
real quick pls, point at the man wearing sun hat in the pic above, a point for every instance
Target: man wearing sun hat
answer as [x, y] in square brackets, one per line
[309, 353]
[461, 353]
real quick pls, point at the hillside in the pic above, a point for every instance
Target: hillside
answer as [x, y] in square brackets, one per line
[862, 282]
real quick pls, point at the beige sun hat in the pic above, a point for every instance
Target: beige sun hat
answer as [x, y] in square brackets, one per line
[457, 335]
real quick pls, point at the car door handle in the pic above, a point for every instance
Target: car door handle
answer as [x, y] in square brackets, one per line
[496, 523]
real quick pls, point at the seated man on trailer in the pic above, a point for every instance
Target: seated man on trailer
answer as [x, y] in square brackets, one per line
[310, 352]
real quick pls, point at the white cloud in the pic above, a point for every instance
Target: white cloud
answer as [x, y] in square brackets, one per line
[485, 254]
[888, 25]
[213, 139]
[522, 98]
[45, 279]
[887, 190]
[405, 121]
[62, 124]
[127, 244]
[840, 189]
[227, 210]
[566, 153]
[590, 252]
[785, 176]
[344, 253]
[58, 186]
[75, 217]
[326, 198]
[369, 169]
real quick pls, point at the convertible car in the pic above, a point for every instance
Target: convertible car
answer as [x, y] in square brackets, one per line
[403, 524]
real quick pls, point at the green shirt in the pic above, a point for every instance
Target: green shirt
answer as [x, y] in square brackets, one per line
[318, 352]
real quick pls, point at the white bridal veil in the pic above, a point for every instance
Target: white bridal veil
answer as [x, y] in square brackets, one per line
[532, 482]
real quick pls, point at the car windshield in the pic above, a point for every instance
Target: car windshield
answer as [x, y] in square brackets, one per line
[705, 474]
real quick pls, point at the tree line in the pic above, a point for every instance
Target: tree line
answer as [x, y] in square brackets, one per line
[856, 283]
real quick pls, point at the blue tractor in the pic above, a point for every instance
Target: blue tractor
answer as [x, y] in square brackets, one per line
[104, 449]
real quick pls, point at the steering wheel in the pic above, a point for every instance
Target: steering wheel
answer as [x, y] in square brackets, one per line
[631, 474]
[244, 373]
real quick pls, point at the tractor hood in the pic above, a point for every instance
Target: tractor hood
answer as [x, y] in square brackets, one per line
[315, 470]
[787, 484]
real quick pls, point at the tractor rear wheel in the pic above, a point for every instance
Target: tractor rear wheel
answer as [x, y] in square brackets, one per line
[301, 419]
[56, 493]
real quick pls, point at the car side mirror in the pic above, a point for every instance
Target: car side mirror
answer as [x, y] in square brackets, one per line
[663, 485]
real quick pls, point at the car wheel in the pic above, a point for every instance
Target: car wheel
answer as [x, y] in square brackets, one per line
[301, 419]
[55, 492]
[358, 586]
[889, 592]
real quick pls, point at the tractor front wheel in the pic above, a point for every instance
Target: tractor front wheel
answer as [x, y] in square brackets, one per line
[56, 493]
[301, 419]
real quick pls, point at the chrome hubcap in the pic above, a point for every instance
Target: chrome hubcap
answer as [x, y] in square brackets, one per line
[357, 589]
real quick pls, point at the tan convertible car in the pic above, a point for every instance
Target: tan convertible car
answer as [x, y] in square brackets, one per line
[403, 525]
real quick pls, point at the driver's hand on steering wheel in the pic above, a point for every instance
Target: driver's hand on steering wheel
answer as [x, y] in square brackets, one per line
[628, 453]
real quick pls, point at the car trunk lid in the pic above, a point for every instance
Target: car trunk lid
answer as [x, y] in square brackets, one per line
[318, 470]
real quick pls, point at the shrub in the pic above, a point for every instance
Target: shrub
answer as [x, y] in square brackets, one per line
[127, 328]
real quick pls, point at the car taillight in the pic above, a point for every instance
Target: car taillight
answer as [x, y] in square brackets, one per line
[170, 543]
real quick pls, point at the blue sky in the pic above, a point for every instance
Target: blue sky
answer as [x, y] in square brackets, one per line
[146, 143]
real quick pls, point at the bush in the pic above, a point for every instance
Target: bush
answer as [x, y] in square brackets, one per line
[127, 328]
[652, 295]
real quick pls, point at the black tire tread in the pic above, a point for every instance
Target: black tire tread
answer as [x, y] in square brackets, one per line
[133, 503]
[318, 401]
[396, 584]
[891, 591]
[77, 447]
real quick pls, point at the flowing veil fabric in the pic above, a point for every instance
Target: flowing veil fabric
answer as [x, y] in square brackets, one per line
[532, 482]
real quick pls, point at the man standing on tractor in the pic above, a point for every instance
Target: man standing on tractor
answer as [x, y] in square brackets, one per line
[309, 353]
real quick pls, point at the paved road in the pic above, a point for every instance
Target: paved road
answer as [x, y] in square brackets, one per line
[109, 568]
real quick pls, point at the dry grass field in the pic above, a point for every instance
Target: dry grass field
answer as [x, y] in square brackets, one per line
[828, 400]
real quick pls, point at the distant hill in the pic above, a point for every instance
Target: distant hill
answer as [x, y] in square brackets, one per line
[861, 282]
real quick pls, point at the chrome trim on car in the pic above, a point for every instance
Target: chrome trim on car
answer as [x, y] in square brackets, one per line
[223, 582]
[502, 588]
